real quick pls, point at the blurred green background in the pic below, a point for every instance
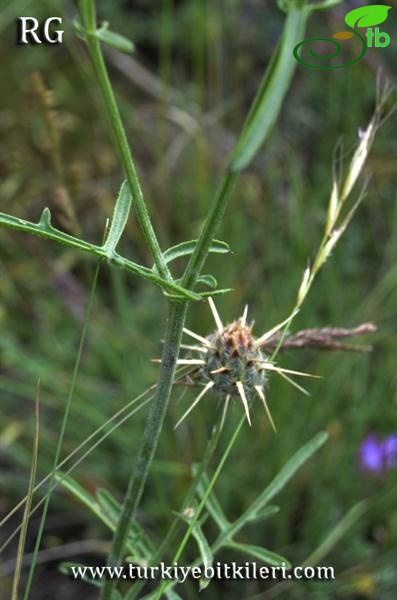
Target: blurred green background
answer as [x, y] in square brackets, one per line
[183, 97]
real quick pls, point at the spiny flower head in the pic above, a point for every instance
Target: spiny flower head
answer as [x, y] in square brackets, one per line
[232, 357]
[230, 361]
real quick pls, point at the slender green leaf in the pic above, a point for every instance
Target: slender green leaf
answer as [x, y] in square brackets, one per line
[79, 29]
[208, 280]
[171, 595]
[203, 583]
[115, 40]
[203, 545]
[337, 533]
[272, 91]
[213, 293]
[268, 557]
[107, 509]
[283, 477]
[120, 216]
[187, 248]
[265, 513]
[212, 503]
[44, 229]
[138, 536]
[108, 504]
[83, 496]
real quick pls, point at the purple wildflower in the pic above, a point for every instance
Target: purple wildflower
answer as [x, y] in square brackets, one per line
[377, 455]
[370, 454]
[390, 450]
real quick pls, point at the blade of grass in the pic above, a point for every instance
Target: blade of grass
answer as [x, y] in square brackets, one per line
[84, 455]
[326, 545]
[337, 533]
[76, 450]
[71, 468]
[29, 498]
[62, 432]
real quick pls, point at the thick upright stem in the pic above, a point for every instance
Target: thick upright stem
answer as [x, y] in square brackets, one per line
[150, 440]
[210, 228]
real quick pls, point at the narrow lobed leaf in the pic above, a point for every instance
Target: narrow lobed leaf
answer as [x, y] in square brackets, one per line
[268, 557]
[112, 508]
[82, 495]
[44, 229]
[212, 503]
[187, 248]
[203, 545]
[208, 280]
[115, 40]
[120, 217]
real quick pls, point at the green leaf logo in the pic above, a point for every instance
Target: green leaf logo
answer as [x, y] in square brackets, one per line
[367, 16]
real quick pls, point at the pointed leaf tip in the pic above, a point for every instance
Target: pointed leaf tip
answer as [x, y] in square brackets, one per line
[45, 219]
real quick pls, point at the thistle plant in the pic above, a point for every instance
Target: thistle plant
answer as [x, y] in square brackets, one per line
[230, 362]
